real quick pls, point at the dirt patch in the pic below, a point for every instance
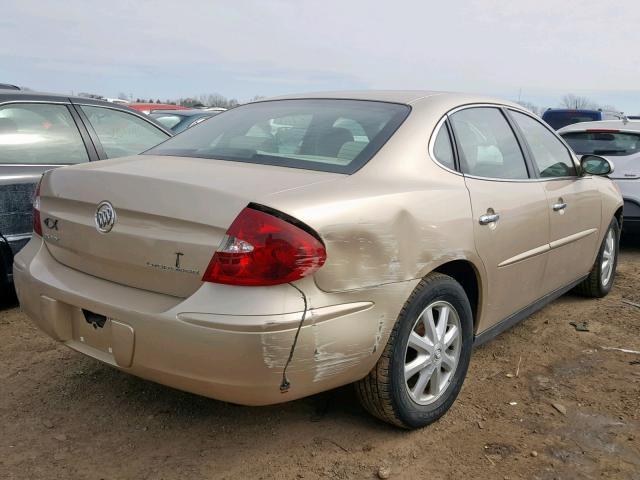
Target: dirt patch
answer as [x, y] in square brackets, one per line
[66, 416]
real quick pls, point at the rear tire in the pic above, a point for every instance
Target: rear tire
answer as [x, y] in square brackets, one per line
[425, 361]
[602, 275]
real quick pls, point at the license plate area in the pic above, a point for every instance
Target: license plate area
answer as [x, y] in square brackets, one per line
[94, 319]
[92, 330]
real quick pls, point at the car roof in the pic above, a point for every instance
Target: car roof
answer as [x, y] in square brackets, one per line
[407, 97]
[396, 96]
[622, 125]
[29, 96]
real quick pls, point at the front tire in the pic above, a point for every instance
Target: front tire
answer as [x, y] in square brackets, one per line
[425, 361]
[602, 275]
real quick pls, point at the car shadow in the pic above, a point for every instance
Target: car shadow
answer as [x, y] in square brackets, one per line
[630, 242]
[90, 400]
[8, 298]
[111, 385]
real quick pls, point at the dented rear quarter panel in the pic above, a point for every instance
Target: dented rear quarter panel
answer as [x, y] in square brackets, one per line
[395, 220]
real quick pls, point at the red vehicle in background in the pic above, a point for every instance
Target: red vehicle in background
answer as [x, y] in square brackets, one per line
[150, 107]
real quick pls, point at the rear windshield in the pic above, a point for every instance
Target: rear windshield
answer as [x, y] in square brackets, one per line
[329, 135]
[603, 143]
[561, 118]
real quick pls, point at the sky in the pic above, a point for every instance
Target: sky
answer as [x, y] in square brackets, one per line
[533, 50]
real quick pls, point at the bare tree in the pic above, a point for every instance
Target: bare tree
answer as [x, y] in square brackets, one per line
[213, 100]
[123, 96]
[610, 108]
[577, 102]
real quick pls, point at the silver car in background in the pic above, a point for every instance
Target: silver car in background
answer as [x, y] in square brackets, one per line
[618, 140]
[42, 131]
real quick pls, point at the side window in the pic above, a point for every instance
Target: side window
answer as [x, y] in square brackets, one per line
[442, 149]
[488, 146]
[549, 154]
[122, 133]
[39, 133]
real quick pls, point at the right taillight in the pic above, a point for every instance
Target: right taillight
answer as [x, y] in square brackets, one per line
[263, 249]
[37, 224]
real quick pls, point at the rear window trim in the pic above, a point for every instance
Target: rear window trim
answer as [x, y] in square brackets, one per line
[371, 149]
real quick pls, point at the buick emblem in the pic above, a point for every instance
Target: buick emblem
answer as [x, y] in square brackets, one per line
[105, 217]
[51, 223]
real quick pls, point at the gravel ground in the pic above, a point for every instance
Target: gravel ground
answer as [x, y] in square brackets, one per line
[570, 411]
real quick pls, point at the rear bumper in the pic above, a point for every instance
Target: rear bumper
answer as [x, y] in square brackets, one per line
[180, 343]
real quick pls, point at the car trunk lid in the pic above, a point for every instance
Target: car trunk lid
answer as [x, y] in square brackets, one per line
[170, 215]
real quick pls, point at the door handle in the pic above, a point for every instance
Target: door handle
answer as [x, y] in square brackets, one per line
[559, 206]
[488, 218]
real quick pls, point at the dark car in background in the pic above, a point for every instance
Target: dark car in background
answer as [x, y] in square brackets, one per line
[39, 132]
[179, 120]
[561, 117]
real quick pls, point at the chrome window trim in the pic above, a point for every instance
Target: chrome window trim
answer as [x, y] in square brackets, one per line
[446, 116]
[524, 180]
[57, 102]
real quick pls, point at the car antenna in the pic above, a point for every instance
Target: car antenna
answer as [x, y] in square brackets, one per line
[285, 384]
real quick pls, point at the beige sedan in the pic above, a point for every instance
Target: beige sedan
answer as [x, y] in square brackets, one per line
[293, 245]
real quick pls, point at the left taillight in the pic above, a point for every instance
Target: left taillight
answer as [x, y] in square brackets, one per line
[37, 224]
[262, 249]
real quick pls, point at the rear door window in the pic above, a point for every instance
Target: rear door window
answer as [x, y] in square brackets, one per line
[39, 133]
[487, 144]
[442, 148]
[551, 157]
[122, 133]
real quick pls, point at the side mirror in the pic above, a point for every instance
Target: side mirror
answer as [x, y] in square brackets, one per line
[596, 165]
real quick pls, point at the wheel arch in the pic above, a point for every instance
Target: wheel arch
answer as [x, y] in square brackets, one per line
[468, 276]
[618, 216]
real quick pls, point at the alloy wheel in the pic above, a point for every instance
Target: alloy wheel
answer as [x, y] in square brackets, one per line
[433, 352]
[608, 258]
